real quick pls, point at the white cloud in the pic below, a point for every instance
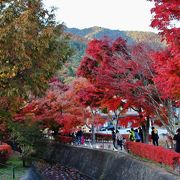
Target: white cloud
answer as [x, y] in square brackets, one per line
[113, 14]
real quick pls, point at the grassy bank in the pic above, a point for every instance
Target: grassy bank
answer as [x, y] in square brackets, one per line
[12, 168]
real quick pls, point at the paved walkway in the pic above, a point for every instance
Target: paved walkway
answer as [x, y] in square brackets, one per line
[102, 145]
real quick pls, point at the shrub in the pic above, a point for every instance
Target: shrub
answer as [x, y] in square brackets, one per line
[5, 152]
[155, 153]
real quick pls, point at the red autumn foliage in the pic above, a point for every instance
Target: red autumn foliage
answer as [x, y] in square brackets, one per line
[129, 72]
[167, 63]
[58, 106]
[119, 71]
[65, 139]
[5, 152]
[168, 78]
[89, 98]
[113, 104]
[63, 105]
[134, 120]
[166, 13]
[158, 154]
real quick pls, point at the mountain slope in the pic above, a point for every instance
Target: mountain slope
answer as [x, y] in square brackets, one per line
[80, 38]
[130, 36]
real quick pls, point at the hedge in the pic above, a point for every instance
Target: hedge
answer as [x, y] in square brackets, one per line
[155, 153]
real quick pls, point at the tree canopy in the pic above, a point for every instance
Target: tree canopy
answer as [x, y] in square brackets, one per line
[165, 19]
[32, 47]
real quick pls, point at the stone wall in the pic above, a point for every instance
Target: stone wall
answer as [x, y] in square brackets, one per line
[106, 165]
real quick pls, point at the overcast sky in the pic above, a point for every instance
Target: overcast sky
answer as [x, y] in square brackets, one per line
[113, 14]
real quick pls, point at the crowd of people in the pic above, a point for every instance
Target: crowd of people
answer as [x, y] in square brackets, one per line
[136, 135]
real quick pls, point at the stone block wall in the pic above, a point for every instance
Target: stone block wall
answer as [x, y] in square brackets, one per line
[105, 165]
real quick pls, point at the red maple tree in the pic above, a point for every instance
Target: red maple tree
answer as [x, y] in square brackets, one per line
[166, 15]
[90, 98]
[128, 72]
[57, 106]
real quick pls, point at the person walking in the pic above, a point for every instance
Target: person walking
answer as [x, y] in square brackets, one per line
[79, 135]
[141, 134]
[137, 137]
[177, 139]
[131, 135]
[119, 138]
[154, 136]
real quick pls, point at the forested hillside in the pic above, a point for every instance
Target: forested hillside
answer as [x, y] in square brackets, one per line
[130, 36]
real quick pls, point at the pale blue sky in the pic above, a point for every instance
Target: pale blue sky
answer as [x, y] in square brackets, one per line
[113, 14]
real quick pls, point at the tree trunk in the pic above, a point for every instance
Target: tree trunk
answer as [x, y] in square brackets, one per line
[167, 119]
[171, 117]
[117, 122]
[145, 130]
[92, 128]
[93, 135]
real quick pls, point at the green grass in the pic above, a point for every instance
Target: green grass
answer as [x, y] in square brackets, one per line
[6, 172]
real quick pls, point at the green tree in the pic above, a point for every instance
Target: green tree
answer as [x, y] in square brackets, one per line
[29, 139]
[32, 47]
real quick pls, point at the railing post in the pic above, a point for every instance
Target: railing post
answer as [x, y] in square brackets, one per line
[103, 143]
[13, 172]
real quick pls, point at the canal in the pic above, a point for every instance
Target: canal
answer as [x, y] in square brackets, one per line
[59, 172]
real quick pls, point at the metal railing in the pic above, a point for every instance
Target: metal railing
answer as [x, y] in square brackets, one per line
[8, 175]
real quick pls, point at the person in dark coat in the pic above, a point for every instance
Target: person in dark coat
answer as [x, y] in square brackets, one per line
[79, 135]
[141, 134]
[177, 139]
[154, 136]
[137, 136]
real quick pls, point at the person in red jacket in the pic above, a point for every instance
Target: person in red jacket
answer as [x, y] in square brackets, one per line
[177, 139]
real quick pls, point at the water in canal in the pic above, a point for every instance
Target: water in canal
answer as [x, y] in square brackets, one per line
[58, 172]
